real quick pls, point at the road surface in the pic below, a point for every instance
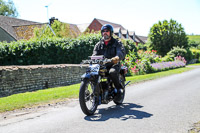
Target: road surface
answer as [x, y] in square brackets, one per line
[166, 105]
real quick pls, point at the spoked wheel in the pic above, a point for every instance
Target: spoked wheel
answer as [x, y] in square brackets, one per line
[122, 81]
[87, 99]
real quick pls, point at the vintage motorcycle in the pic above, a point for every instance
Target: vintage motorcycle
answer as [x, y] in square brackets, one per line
[97, 88]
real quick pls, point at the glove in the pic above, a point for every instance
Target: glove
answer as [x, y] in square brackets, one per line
[115, 59]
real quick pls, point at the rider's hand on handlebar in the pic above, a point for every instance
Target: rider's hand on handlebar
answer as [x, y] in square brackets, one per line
[115, 59]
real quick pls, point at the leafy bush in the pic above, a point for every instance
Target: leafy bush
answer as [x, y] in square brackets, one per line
[150, 55]
[48, 50]
[129, 61]
[165, 35]
[177, 51]
[196, 54]
[140, 62]
[142, 47]
[167, 58]
[193, 43]
[129, 45]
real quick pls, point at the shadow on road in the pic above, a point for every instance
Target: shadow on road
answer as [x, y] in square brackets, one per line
[123, 112]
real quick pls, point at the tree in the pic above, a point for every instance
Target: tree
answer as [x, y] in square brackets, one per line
[165, 35]
[8, 8]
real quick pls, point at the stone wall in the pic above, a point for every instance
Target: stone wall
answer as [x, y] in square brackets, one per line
[17, 79]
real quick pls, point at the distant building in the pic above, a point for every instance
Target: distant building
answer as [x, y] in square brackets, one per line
[142, 39]
[13, 29]
[119, 30]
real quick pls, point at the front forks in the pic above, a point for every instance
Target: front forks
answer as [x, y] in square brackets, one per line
[97, 90]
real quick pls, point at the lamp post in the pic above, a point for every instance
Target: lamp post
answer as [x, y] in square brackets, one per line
[48, 25]
[47, 13]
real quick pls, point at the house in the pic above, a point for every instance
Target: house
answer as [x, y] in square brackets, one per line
[125, 34]
[83, 27]
[141, 39]
[96, 25]
[119, 30]
[13, 29]
[74, 30]
[5, 36]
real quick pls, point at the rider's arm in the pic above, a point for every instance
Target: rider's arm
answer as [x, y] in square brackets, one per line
[120, 51]
[95, 50]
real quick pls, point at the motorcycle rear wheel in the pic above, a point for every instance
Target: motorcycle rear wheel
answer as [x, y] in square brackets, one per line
[122, 81]
[87, 99]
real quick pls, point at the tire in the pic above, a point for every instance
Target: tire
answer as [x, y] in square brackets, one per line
[87, 99]
[122, 81]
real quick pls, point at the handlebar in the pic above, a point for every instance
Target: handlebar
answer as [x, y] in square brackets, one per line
[96, 61]
[100, 59]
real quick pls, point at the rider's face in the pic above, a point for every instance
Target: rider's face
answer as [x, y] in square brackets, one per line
[106, 34]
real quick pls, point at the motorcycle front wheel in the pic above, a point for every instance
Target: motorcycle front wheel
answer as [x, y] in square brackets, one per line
[87, 99]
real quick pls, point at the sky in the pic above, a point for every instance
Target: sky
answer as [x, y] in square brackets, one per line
[134, 15]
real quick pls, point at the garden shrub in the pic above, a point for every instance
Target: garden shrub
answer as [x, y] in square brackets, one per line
[196, 54]
[193, 43]
[142, 47]
[140, 62]
[167, 58]
[177, 51]
[129, 45]
[129, 61]
[150, 55]
[48, 50]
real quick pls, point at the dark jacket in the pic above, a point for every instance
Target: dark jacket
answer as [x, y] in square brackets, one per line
[112, 49]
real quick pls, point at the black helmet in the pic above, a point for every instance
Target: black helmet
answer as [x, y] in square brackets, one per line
[108, 27]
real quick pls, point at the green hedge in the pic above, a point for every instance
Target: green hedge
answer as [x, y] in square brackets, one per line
[50, 50]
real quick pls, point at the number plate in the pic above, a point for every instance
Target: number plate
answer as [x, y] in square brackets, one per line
[94, 69]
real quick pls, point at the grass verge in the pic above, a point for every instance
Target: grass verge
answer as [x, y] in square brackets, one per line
[140, 78]
[30, 99]
[197, 64]
[196, 128]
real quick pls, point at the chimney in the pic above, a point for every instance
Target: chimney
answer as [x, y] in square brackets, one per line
[52, 19]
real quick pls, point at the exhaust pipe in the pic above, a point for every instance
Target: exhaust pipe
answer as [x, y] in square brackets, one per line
[127, 83]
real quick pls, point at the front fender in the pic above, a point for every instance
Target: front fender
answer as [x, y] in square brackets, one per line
[86, 76]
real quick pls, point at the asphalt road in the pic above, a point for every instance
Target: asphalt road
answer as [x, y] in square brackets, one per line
[167, 105]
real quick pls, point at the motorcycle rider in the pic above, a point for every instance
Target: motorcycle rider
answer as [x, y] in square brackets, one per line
[112, 49]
